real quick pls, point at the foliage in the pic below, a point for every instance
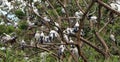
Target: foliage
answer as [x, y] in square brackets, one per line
[20, 14]
[14, 53]
[23, 25]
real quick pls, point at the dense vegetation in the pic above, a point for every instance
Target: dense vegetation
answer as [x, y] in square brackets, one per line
[92, 25]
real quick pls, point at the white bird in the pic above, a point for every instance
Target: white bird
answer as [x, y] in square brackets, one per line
[66, 38]
[43, 56]
[3, 12]
[76, 26]
[7, 37]
[63, 10]
[35, 1]
[93, 18]
[56, 26]
[112, 37]
[47, 39]
[61, 50]
[62, 47]
[113, 6]
[69, 31]
[9, 5]
[22, 44]
[53, 34]
[42, 36]
[15, 24]
[9, 24]
[78, 14]
[82, 33]
[118, 1]
[30, 23]
[75, 51]
[71, 41]
[46, 3]
[37, 36]
[35, 10]
[46, 19]
[118, 7]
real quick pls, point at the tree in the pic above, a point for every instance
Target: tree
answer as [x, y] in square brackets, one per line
[75, 30]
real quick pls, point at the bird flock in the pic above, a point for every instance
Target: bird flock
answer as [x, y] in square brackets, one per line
[53, 36]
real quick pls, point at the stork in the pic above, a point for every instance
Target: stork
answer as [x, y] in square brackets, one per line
[30, 23]
[7, 37]
[56, 26]
[16, 24]
[63, 10]
[47, 39]
[74, 50]
[42, 36]
[93, 18]
[46, 19]
[61, 50]
[71, 41]
[66, 38]
[115, 5]
[69, 31]
[82, 33]
[37, 36]
[112, 37]
[93, 21]
[78, 14]
[76, 26]
[22, 44]
[53, 34]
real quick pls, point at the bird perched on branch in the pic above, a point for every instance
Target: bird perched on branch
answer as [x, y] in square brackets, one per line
[53, 34]
[61, 50]
[56, 26]
[42, 36]
[112, 38]
[9, 39]
[66, 38]
[74, 50]
[92, 20]
[82, 33]
[63, 10]
[30, 23]
[71, 41]
[78, 14]
[37, 36]
[47, 39]
[22, 44]
[46, 19]
[76, 26]
[115, 5]
[69, 31]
